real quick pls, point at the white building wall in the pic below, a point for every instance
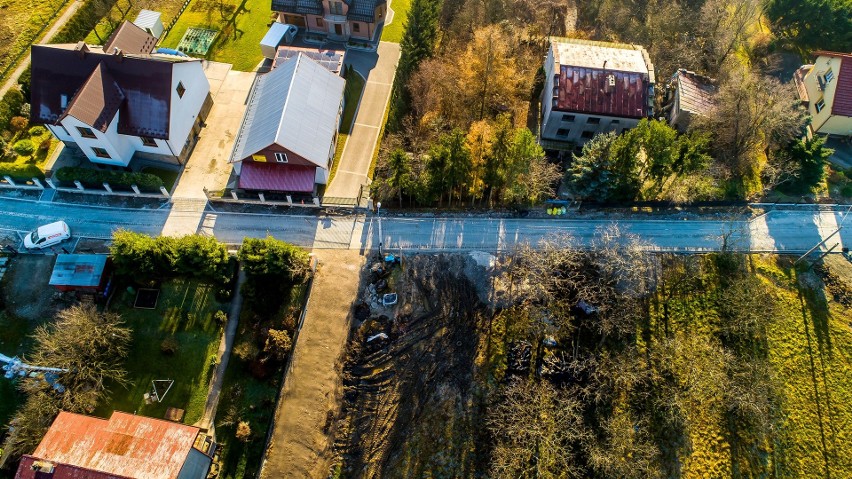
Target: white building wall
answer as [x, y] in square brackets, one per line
[577, 123]
[60, 133]
[185, 110]
[119, 148]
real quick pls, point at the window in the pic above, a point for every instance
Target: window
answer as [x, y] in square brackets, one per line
[148, 141]
[101, 153]
[829, 75]
[593, 120]
[63, 101]
[615, 122]
[568, 118]
[319, 22]
[819, 105]
[356, 27]
[563, 132]
[86, 132]
[180, 89]
[281, 157]
[588, 134]
[336, 8]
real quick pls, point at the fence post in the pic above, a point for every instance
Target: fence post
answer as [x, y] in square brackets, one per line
[164, 191]
[38, 182]
[289, 200]
[107, 187]
[316, 201]
[234, 195]
[50, 183]
[262, 198]
[9, 179]
[136, 189]
[79, 185]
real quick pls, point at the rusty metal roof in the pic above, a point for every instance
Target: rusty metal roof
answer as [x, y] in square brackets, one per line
[603, 78]
[696, 92]
[125, 445]
[98, 100]
[59, 73]
[130, 38]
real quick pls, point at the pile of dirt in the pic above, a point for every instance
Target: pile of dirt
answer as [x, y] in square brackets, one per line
[836, 273]
[403, 391]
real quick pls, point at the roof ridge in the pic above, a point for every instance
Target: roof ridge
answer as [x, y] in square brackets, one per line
[287, 98]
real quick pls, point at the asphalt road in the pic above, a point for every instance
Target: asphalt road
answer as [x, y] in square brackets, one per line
[791, 231]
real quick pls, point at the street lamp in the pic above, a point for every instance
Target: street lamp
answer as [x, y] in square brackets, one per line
[379, 214]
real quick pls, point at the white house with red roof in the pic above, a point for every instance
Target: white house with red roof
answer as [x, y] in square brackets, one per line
[593, 87]
[825, 88]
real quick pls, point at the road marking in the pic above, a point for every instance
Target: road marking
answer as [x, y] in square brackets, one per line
[380, 83]
[365, 126]
[352, 172]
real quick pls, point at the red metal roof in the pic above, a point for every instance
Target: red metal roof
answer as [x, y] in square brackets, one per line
[589, 90]
[124, 446]
[60, 471]
[843, 91]
[256, 175]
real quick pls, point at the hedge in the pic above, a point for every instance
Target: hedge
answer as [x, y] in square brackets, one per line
[143, 257]
[96, 178]
[20, 172]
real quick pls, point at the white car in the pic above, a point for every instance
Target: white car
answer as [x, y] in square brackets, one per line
[47, 235]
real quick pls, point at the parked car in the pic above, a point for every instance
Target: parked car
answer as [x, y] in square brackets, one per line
[47, 235]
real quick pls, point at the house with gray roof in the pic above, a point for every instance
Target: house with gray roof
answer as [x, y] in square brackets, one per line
[120, 100]
[337, 19]
[288, 137]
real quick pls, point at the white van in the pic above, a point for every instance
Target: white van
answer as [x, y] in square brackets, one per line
[47, 235]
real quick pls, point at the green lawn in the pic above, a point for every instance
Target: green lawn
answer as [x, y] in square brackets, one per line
[184, 310]
[21, 22]
[393, 32]
[251, 399]
[127, 10]
[241, 24]
[168, 176]
[352, 95]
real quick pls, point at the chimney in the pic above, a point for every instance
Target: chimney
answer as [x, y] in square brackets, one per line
[117, 53]
[81, 49]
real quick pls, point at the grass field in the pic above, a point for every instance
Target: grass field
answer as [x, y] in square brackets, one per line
[20, 24]
[241, 24]
[184, 311]
[393, 32]
[352, 95]
[251, 399]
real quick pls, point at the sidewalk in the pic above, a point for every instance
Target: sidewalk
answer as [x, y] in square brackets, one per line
[301, 445]
[25, 62]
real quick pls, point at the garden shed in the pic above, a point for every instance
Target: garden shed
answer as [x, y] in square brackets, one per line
[151, 22]
[81, 272]
[278, 34]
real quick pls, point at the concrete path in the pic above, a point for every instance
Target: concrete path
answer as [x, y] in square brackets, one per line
[379, 69]
[208, 164]
[25, 62]
[300, 442]
[224, 354]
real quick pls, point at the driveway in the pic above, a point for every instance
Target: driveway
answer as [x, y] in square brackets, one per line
[208, 164]
[379, 69]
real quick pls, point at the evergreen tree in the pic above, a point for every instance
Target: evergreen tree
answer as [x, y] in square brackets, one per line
[813, 24]
[400, 172]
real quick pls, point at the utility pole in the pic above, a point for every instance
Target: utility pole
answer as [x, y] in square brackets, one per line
[379, 215]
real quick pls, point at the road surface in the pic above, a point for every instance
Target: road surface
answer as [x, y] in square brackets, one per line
[787, 231]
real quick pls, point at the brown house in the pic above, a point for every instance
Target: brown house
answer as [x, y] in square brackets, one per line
[339, 19]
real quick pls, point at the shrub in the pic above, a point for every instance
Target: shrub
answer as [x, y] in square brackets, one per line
[243, 432]
[25, 110]
[221, 317]
[91, 177]
[45, 144]
[170, 345]
[278, 343]
[20, 172]
[246, 351]
[15, 99]
[24, 147]
[19, 123]
[37, 131]
[847, 191]
[143, 257]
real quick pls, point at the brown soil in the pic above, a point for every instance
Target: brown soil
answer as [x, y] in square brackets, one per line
[301, 442]
[411, 407]
[26, 293]
[836, 273]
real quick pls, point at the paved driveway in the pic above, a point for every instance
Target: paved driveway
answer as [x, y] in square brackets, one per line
[379, 69]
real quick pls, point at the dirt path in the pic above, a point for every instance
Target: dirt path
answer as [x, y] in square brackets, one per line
[224, 354]
[25, 62]
[301, 445]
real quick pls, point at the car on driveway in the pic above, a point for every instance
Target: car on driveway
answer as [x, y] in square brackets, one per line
[47, 235]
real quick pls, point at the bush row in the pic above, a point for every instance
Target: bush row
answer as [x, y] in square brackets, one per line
[96, 178]
[145, 258]
[20, 172]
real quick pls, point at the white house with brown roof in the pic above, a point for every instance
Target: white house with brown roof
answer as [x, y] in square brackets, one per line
[688, 95]
[825, 88]
[120, 100]
[593, 87]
